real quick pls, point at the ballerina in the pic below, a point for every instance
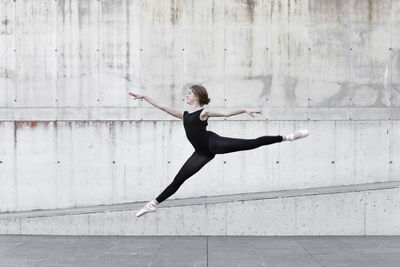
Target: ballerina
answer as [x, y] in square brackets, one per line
[206, 143]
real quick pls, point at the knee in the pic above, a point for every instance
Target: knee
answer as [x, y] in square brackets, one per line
[178, 181]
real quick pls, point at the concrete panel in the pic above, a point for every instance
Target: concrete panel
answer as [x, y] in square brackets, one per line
[8, 75]
[36, 53]
[146, 160]
[119, 35]
[382, 212]
[8, 189]
[32, 114]
[77, 45]
[370, 43]
[395, 77]
[329, 43]
[203, 47]
[64, 164]
[58, 225]
[288, 113]
[288, 61]
[395, 19]
[214, 225]
[246, 53]
[114, 223]
[35, 165]
[339, 214]
[78, 114]
[174, 151]
[370, 113]
[91, 162]
[272, 154]
[300, 162]
[161, 51]
[394, 148]
[246, 170]
[344, 153]
[272, 217]
[330, 113]
[287, 176]
[311, 157]
[188, 219]
[10, 227]
[371, 151]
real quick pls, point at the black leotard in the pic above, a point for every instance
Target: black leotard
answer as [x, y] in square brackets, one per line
[196, 131]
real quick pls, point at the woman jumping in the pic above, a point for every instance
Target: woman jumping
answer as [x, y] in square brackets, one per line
[206, 143]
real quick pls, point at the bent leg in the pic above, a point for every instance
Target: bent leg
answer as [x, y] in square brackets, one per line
[221, 145]
[191, 166]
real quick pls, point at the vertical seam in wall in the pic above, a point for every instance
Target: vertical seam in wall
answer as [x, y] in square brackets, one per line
[391, 56]
[225, 52]
[15, 123]
[98, 59]
[57, 105]
[351, 60]
[390, 151]
[224, 121]
[365, 213]
[15, 51]
[181, 48]
[140, 56]
[334, 151]
[57, 165]
[296, 221]
[308, 49]
[56, 52]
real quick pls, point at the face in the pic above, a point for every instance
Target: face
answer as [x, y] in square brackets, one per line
[191, 98]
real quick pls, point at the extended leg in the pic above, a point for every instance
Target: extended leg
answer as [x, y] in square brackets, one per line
[221, 145]
[191, 166]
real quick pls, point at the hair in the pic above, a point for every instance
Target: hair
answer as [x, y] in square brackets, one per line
[201, 92]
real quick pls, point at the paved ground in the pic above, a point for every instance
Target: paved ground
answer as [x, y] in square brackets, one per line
[198, 251]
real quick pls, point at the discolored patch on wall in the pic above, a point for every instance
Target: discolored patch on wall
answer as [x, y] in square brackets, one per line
[266, 81]
[289, 85]
[175, 12]
[250, 9]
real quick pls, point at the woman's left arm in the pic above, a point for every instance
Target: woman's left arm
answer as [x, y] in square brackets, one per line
[230, 112]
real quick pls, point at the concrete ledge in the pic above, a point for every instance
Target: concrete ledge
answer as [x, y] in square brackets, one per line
[205, 200]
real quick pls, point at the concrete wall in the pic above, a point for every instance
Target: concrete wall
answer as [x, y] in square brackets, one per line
[70, 136]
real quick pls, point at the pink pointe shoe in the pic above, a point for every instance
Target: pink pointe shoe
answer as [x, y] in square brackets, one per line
[149, 207]
[297, 135]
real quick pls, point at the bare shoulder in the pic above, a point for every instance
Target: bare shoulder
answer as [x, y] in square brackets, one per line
[204, 114]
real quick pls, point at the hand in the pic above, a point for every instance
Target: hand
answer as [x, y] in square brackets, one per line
[137, 96]
[251, 111]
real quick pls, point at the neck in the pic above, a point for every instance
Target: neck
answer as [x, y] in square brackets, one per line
[196, 107]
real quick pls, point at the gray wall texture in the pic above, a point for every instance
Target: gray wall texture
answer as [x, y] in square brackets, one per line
[70, 135]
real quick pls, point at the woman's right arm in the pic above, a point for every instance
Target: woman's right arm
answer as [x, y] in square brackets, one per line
[172, 111]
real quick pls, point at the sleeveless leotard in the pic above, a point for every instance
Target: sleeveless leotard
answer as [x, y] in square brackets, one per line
[196, 131]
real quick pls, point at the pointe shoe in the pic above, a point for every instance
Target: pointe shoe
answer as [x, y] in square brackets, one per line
[297, 135]
[149, 207]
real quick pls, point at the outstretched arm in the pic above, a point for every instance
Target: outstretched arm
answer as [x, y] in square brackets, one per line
[213, 112]
[172, 111]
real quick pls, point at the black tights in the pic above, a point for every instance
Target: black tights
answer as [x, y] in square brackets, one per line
[218, 145]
